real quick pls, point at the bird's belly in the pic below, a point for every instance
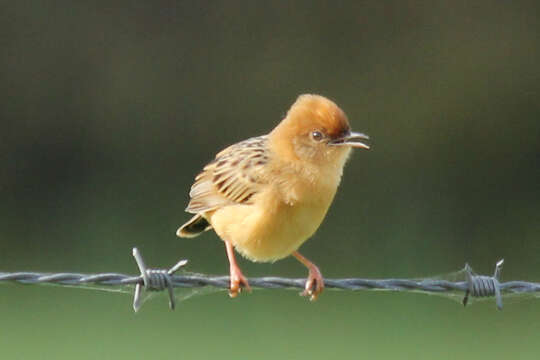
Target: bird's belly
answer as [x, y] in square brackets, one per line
[268, 231]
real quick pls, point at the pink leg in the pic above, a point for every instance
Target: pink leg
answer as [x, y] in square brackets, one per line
[315, 281]
[238, 280]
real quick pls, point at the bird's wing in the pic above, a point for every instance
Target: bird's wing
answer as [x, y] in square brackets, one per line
[235, 175]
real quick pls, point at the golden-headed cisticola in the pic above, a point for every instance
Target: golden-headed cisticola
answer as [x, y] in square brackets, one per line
[267, 195]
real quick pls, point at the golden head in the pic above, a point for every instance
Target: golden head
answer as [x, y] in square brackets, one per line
[315, 130]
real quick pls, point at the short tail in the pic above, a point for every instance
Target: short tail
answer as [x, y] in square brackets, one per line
[194, 227]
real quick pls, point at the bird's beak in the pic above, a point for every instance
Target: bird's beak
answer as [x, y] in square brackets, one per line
[351, 139]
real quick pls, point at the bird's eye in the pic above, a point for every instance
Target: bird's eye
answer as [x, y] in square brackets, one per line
[316, 135]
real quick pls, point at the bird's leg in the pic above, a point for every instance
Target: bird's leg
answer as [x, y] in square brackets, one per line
[238, 280]
[315, 281]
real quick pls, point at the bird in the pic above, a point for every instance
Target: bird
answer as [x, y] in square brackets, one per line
[265, 196]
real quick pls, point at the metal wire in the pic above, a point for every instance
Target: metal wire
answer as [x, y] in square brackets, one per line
[152, 279]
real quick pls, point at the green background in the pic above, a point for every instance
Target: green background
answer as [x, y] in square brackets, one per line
[108, 110]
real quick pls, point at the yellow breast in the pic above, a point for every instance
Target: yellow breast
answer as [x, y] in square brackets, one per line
[280, 218]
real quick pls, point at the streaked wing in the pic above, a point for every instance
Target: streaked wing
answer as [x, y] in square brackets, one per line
[235, 175]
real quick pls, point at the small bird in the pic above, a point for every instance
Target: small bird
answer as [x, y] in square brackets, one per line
[265, 196]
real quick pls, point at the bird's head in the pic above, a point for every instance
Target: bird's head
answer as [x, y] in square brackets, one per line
[316, 130]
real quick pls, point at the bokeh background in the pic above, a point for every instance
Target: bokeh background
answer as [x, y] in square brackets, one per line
[109, 109]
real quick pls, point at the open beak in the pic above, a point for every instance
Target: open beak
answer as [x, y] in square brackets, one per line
[351, 139]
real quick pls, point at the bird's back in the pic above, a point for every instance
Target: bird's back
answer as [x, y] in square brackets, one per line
[233, 177]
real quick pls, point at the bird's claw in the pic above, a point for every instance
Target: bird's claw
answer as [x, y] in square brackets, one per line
[314, 284]
[238, 283]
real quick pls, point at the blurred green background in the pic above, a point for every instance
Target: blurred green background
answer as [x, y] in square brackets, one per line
[109, 109]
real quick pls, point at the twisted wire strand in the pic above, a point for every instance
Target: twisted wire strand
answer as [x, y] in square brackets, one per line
[190, 281]
[159, 279]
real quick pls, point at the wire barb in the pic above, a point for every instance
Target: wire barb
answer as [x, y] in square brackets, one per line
[484, 286]
[154, 280]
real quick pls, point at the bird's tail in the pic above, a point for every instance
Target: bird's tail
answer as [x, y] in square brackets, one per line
[194, 227]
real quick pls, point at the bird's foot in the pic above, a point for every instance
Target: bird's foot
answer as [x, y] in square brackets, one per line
[314, 283]
[238, 282]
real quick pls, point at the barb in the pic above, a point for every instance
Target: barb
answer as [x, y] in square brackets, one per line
[154, 280]
[483, 286]
[157, 280]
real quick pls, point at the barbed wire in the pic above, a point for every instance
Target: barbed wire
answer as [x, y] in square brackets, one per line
[158, 279]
